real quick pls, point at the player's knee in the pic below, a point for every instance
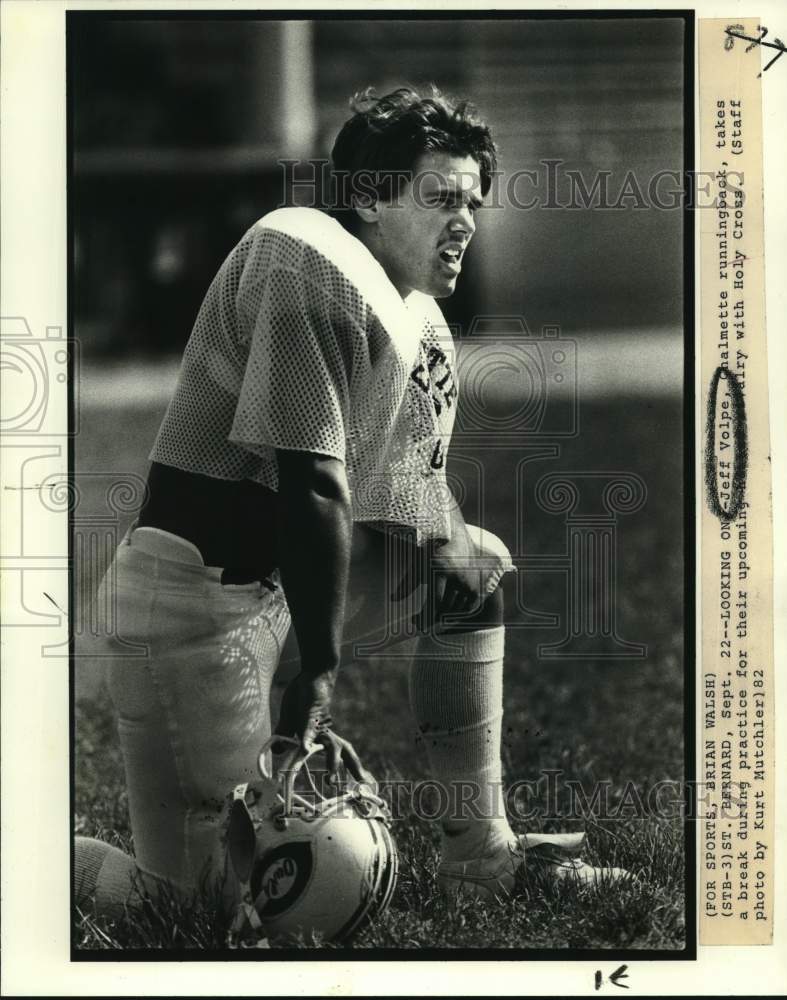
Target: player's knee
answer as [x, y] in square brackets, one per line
[488, 615]
[494, 606]
[488, 545]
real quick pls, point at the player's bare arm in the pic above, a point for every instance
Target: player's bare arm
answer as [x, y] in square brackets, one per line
[314, 524]
[314, 521]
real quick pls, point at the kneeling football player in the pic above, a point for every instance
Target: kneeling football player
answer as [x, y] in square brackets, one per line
[298, 478]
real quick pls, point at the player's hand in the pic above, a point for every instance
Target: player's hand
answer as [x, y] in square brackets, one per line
[454, 584]
[306, 715]
[457, 585]
[459, 575]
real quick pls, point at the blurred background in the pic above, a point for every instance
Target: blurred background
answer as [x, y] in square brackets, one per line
[178, 126]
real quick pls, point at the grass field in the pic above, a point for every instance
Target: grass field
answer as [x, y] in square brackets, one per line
[618, 722]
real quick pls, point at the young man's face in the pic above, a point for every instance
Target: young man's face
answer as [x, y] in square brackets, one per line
[421, 236]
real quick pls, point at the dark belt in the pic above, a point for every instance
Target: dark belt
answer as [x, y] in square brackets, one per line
[240, 575]
[192, 505]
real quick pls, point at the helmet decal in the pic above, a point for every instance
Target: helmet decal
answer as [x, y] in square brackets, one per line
[280, 877]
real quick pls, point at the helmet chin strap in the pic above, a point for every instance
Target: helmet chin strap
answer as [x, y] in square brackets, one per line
[241, 855]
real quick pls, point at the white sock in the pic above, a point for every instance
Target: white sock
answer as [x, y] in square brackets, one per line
[456, 697]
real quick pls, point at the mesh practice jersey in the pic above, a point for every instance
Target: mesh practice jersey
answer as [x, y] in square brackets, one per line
[303, 343]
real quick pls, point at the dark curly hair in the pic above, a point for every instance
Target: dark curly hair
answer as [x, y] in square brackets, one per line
[377, 149]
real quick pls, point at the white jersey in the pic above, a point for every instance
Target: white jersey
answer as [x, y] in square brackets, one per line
[303, 343]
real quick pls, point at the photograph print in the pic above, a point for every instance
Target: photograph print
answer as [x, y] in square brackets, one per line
[382, 484]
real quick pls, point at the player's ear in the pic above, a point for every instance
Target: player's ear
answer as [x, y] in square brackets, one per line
[367, 207]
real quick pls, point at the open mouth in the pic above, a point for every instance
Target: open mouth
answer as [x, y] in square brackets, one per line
[451, 254]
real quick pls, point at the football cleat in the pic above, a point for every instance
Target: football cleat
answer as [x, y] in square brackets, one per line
[536, 856]
[299, 863]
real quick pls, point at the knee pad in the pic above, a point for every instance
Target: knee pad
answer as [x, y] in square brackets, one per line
[492, 556]
[491, 611]
[489, 545]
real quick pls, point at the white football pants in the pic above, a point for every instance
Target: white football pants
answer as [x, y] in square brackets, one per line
[194, 712]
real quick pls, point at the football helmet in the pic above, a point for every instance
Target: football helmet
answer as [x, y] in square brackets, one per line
[301, 863]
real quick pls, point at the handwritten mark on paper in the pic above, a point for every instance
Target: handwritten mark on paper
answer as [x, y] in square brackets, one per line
[618, 974]
[734, 31]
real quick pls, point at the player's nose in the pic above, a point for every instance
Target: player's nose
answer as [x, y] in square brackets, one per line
[463, 222]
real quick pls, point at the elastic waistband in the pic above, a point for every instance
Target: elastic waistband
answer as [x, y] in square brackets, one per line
[160, 544]
[165, 545]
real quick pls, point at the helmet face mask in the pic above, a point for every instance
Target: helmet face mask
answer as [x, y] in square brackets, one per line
[311, 866]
